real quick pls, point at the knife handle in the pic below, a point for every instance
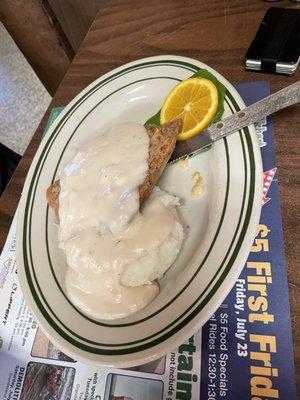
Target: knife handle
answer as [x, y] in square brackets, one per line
[283, 98]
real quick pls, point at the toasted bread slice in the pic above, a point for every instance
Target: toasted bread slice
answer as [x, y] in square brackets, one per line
[162, 143]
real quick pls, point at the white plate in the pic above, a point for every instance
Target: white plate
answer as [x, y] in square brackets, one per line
[219, 226]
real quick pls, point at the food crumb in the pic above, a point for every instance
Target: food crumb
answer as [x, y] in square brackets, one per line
[184, 162]
[198, 186]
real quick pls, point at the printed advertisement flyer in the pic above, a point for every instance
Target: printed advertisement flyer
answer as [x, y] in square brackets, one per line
[244, 351]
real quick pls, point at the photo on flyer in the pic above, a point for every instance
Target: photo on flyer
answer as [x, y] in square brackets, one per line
[47, 382]
[124, 387]
[43, 348]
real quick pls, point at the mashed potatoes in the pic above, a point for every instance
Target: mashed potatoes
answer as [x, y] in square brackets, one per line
[153, 264]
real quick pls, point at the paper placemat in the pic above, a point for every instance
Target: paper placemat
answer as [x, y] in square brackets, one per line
[244, 351]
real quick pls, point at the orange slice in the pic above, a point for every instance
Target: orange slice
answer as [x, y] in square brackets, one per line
[193, 100]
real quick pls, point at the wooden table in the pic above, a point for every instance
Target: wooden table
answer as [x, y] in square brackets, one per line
[217, 32]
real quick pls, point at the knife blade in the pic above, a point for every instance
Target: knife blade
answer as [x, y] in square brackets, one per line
[232, 124]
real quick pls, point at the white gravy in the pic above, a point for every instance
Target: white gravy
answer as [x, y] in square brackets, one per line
[101, 229]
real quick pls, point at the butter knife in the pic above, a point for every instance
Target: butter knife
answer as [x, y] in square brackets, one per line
[283, 98]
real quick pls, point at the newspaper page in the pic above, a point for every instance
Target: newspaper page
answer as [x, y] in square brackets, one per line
[243, 352]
